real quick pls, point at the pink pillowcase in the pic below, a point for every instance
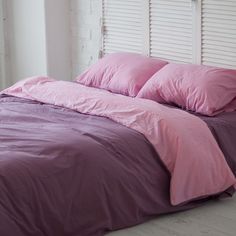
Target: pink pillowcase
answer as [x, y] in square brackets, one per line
[203, 89]
[123, 73]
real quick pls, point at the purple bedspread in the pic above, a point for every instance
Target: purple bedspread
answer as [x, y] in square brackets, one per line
[63, 173]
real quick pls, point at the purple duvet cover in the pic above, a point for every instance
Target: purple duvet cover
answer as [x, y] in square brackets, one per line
[64, 173]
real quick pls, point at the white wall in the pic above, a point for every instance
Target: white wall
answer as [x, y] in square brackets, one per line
[26, 38]
[3, 83]
[38, 39]
[85, 21]
[1, 46]
[58, 39]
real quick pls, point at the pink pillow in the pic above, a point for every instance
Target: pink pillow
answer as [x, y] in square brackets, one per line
[123, 73]
[204, 89]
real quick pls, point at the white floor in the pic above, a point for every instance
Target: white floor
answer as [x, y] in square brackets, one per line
[216, 218]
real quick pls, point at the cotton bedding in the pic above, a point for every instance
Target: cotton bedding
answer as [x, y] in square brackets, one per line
[203, 89]
[67, 173]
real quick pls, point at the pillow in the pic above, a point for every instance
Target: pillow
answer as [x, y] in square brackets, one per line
[203, 89]
[123, 73]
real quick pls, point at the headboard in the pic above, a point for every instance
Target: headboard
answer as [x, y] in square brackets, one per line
[186, 31]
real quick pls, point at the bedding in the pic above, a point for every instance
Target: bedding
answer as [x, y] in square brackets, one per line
[203, 89]
[223, 127]
[123, 73]
[82, 174]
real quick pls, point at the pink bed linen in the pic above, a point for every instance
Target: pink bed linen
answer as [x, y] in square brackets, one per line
[123, 73]
[204, 89]
[197, 165]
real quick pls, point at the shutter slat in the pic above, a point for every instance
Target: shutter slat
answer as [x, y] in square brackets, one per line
[123, 26]
[119, 40]
[171, 30]
[171, 56]
[121, 48]
[219, 33]
[227, 56]
[217, 43]
[174, 39]
[162, 29]
[174, 49]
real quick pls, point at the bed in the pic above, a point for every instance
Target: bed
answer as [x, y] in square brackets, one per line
[72, 165]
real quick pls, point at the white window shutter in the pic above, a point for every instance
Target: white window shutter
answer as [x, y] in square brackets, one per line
[171, 30]
[219, 33]
[122, 25]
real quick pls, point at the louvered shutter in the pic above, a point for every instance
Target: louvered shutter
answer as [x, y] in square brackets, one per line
[122, 26]
[219, 33]
[171, 30]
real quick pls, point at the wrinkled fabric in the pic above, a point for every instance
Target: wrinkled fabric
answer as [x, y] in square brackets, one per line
[184, 143]
[65, 173]
[203, 89]
[123, 73]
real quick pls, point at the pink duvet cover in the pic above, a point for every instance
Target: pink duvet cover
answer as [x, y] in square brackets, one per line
[184, 142]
